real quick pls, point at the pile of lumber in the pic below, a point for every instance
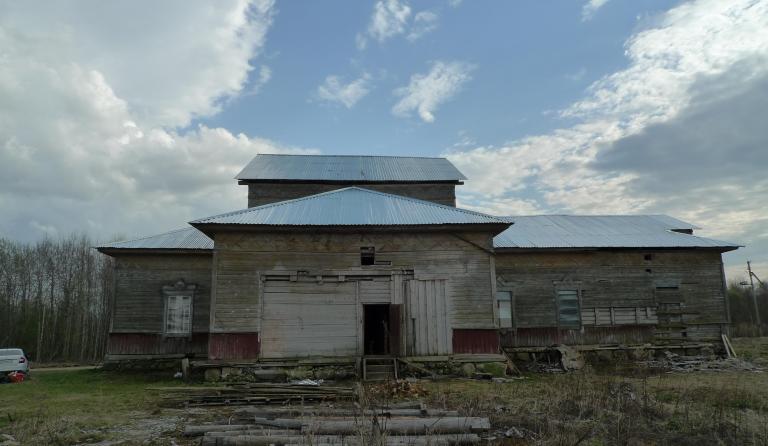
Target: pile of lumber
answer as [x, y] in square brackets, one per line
[342, 426]
[251, 394]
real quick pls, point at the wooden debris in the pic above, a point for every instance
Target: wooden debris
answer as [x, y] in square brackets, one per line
[259, 440]
[324, 425]
[251, 393]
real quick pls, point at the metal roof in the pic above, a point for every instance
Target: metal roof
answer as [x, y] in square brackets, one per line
[602, 231]
[352, 206]
[349, 168]
[186, 238]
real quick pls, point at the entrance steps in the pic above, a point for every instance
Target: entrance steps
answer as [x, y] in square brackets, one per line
[379, 369]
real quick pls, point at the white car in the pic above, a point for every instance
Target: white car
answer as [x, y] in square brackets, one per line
[13, 360]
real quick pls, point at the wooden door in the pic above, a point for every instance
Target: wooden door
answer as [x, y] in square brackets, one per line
[307, 318]
[428, 329]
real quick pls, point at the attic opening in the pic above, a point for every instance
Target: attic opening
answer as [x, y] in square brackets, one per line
[367, 255]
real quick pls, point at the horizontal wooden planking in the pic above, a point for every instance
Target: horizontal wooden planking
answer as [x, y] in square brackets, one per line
[265, 193]
[156, 344]
[302, 319]
[548, 336]
[612, 279]
[242, 256]
[139, 280]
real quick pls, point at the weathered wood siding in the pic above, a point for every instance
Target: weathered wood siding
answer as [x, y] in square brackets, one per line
[242, 258]
[427, 313]
[302, 317]
[617, 289]
[265, 193]
[139, 279]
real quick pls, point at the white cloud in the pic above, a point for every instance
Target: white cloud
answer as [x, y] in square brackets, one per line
[454, 3]
[424, 23]
[334, 90]
[683, 106]
[264, 76]
[92, 116]
[391, 18]
[426, 92]
[590, 8]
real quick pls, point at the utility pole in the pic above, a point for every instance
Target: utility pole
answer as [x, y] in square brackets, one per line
[754, 297]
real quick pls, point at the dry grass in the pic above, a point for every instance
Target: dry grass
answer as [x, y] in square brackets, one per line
[77, 406]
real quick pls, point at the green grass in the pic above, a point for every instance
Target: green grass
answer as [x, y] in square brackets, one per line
[67, 407]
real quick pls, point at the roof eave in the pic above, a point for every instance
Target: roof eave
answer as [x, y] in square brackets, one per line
[244, 181]
[721, 249]
[210, 229]
[113, 251]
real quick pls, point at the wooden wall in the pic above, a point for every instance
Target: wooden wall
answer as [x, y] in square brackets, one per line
[265, 193]
[619, 294]
[139, 304]
[241, 257]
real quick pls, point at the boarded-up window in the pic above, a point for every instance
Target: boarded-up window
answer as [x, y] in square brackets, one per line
[504, 303]
[178, 315]
[568, 308]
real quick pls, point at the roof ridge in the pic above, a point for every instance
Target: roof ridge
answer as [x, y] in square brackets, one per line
[336, 191]
[355, 156]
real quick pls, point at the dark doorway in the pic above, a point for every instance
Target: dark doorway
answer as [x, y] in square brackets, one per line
[376, 329]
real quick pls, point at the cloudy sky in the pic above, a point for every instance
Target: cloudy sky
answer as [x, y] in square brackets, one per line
[118, 119]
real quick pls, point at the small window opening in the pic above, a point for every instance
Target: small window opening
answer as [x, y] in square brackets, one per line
[648, 270]
[504, 304]
[367, 255]
[648, 257]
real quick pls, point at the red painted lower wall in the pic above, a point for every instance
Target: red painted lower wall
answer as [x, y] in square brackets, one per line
[156, 344]
[546, 336]
[233, 346]
[475, 341]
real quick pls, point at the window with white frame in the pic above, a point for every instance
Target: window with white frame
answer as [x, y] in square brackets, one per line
[504, 305]
[179, 299]
[178, 315]
[568, 314]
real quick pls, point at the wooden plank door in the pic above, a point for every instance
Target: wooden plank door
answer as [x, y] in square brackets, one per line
[428, 329]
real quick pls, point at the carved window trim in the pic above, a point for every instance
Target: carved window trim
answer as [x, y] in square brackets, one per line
[178, 290]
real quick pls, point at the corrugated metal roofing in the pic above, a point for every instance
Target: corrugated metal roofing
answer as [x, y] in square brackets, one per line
[349, 168]
[602, 231]
[186, 238]
[351, 206]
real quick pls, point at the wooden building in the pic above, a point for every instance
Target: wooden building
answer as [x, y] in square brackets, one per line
[368, 256]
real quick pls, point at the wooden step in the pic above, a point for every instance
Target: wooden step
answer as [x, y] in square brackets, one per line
[379, 369]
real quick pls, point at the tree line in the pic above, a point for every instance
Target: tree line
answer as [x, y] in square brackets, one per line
[55, 298]
[742, 308]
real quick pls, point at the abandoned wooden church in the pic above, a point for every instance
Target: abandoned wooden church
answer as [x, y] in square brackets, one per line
[368, 256]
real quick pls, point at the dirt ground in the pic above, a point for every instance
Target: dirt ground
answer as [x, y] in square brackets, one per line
[623, 405]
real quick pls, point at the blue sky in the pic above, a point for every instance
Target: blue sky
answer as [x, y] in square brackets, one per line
[127, 120]
[528, 63]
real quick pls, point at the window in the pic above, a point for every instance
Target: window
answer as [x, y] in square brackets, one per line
[568, 308]
[504, 304]
[367, 255]
[178, 315]
[178, 308]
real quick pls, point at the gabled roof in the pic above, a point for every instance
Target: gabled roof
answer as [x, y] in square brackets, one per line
[602, 231]
[179, 239]
[352, 206]
[344, 168]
